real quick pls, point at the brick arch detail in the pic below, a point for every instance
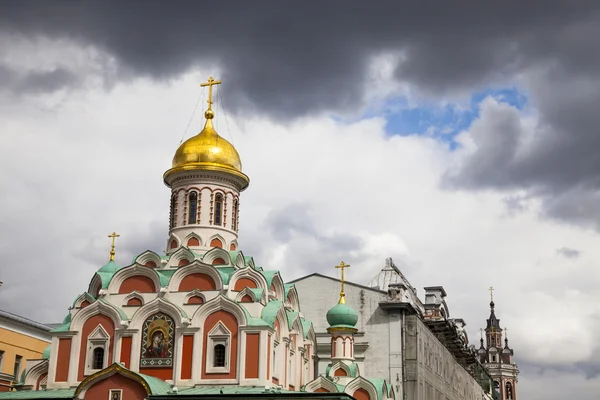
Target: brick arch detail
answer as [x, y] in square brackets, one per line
[197, 281]
[361, 394]
[216, 242]
[242, 283]
[192, 242]
[139, 283]
[101, 389]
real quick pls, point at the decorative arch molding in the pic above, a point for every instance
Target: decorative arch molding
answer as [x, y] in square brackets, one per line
[95, 284]
[340, 365]
[155, 306]
[251, 274]
[172, 238]
[83, 298]
[240, 260]
[147, 258]
[277, 284]
[321, 383]
[223, 243]
[133, 270]
[35, 372]
[195, 293]
[108, 372]
[193, 235]
[281, 320]
[217, 304]
[389, 391]
[182, 253]
[297, 327]
[195, 267]
[361, 383]
[246, 292]
[233, 246]
[292, 299]
[132, 296]
[98, 307]
[215, 253]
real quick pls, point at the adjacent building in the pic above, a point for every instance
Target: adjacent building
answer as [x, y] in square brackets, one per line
[21, 339]
[415, 345]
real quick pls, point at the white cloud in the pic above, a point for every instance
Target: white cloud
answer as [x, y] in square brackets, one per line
[320, 192]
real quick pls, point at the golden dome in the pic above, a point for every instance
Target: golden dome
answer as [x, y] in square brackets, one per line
[208, 148]
[207, 151]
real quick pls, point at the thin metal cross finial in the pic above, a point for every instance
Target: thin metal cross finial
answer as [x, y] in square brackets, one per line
[342, 266]
[211, 82]
[113, 236]
[491, 289]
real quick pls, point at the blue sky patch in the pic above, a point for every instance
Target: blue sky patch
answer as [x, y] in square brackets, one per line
[443, 122]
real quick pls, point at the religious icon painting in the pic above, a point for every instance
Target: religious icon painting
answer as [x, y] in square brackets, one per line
[115, 394]
[158, 337]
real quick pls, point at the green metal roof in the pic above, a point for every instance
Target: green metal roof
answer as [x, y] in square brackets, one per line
[379, 385]
[46, 353]
[269, 274]
[229, 390]
[287, 287]
[306, 324]
[165, 276]
[157, 386]
[258, 292]
[105, 278]
[111, 267]
[63, 328]
[226, 273]
[253, 321]
[269, 312]
[38, 394]
[291, 317]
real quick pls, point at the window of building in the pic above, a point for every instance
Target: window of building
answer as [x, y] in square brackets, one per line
[218, 213]
[97, 350]
[219, 349]
[193, 207]
[219, 355]
[98, 358]
[17, 369]
[1, 359]
[173, 214]
[509, 391]
[235, 215]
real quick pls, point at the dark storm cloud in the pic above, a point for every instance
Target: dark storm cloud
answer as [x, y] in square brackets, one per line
[290, 59]
[32, 82]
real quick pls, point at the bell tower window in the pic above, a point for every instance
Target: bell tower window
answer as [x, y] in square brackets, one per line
[173, 214]
[218, 213]
[193, 208]
[235, 215]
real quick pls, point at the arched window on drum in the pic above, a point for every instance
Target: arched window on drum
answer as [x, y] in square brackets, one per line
[192, 208]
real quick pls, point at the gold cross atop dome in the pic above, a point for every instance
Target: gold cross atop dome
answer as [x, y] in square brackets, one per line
[342, 266]
[211, 82]
[112, 237]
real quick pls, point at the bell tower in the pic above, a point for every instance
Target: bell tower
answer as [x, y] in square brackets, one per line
[206, 180]
[498, 357]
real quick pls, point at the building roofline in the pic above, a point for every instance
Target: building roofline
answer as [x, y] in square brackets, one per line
[24, 321]
[337, 280]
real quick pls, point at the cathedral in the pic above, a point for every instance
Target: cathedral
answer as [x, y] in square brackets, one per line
[203, 319]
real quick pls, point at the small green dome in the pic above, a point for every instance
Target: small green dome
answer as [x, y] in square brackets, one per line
[111, 267]
[342, 314]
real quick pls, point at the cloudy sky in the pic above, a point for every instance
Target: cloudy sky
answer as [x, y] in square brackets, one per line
[460, 139]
